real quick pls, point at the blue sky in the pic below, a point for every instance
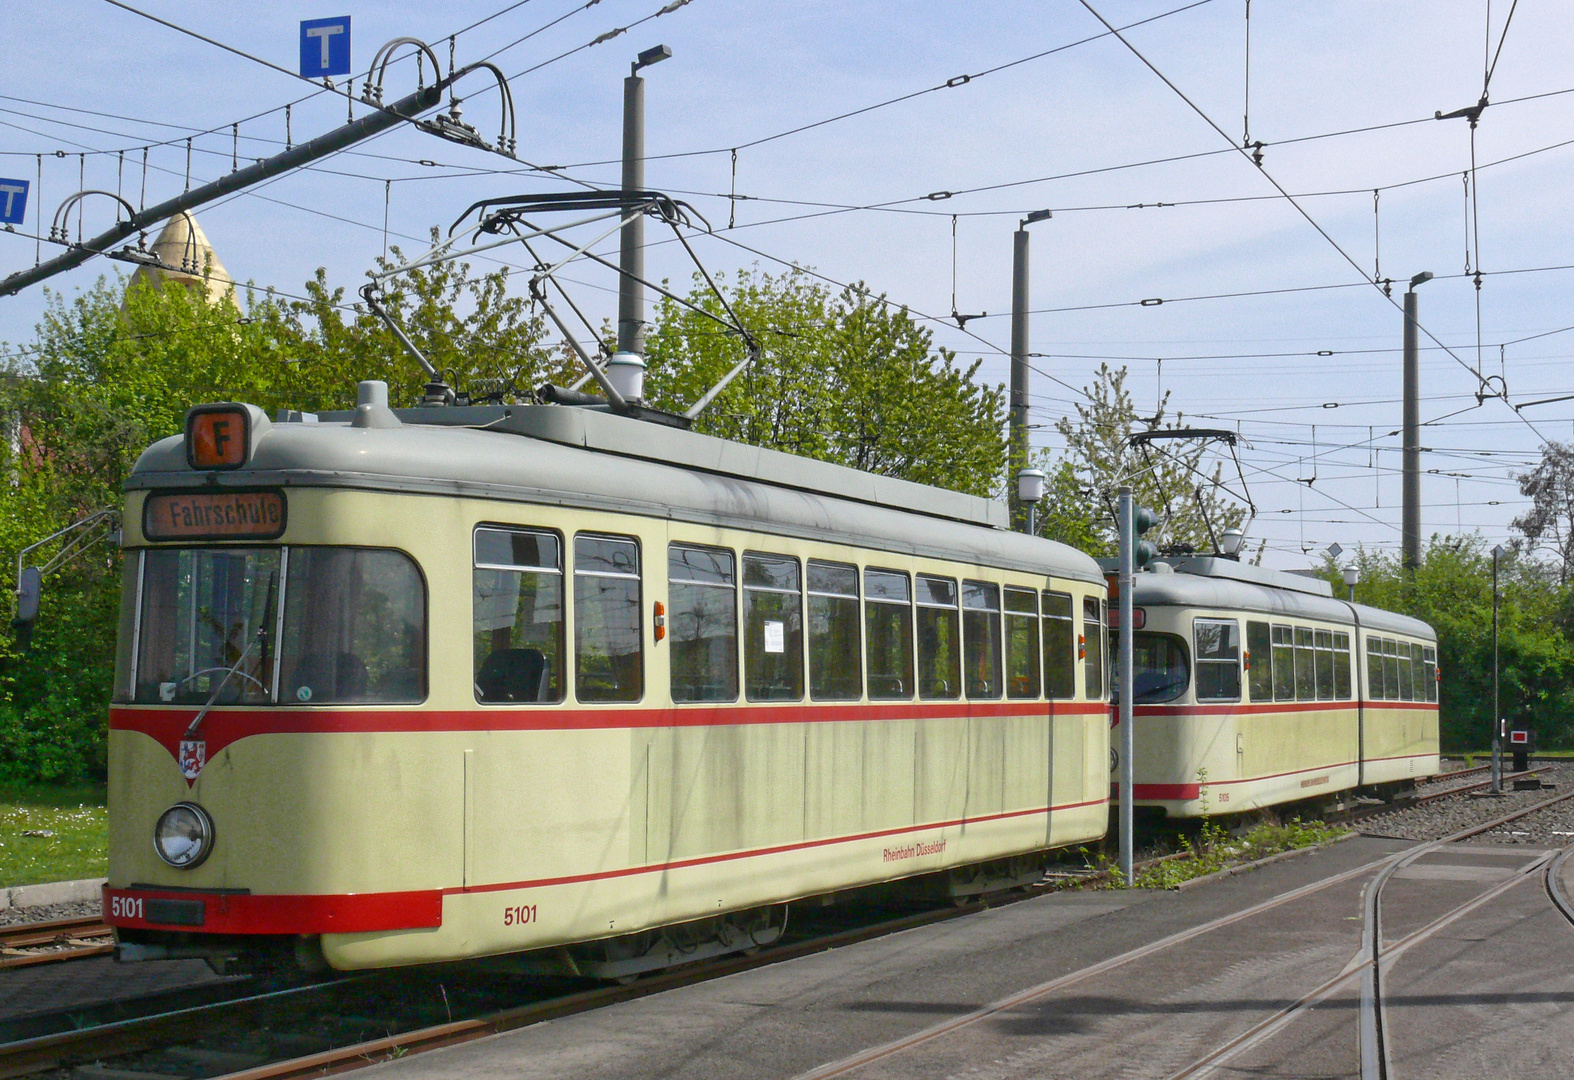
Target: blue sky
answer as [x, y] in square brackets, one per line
[743, 71]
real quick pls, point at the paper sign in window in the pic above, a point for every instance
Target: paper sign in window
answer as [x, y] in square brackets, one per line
[775, 637]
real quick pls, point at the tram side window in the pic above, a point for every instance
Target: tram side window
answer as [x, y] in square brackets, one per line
[1305, 679]
[1429, 671]
[354, 627]
[1218, 659]
[1374, 669]
[518, 615]
[1060, 646]
[1022, 653]
[1417, 673]
[939, 647]
[981, 638]
[1341, 665]
[1390, 669]
[835, 666]
[608, 659]
[772, 628]
[1406, 673]
[703, 623]
[1259, 653]
[1324, 664]
[1284, 663]
[1093, 646]
[888, 634]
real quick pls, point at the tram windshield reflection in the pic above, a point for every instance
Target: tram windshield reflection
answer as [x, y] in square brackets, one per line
[1160, 671]
[353, 627]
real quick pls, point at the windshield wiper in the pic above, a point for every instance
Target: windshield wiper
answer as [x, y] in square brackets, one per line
[196, 723]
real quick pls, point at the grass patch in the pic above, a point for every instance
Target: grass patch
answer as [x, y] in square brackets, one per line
[1214, 849]
[52, 834]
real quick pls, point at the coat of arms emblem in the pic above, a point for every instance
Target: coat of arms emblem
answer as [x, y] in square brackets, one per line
[193, 756]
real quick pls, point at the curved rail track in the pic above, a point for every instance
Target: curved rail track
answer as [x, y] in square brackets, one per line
[1376, 956]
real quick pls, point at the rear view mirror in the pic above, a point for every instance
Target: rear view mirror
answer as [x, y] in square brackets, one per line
[29, 586]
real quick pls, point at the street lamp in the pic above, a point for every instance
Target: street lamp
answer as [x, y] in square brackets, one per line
[631, 256]
[1030, 489]
[1019, 338]
[1230, 541]
[1352, 578]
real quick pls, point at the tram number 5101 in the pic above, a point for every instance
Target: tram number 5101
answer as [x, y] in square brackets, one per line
[519, 916]
[125, 907]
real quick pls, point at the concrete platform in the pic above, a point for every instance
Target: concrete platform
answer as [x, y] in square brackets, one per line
[1113, 984]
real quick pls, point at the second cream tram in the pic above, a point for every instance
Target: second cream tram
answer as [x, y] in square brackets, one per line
[1256, 688]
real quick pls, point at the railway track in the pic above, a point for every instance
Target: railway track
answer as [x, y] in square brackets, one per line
[190, 1042]
[1376, 956]
[25, 944]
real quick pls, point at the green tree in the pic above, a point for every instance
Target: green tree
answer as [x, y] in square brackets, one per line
[1452, 591]
[1069, 511]
[1170, 478]
[843, 377]
[1549, 523]
[114, 369]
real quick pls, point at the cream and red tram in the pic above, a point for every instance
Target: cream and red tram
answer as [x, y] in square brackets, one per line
[1255, 688]
[402, 687]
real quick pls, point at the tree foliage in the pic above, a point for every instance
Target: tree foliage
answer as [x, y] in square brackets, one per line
[1549, 523]
[1452, 591]
[113, 370]
[844, 377]
[1170, 478]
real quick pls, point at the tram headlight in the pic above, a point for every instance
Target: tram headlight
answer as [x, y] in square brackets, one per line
[183, 836]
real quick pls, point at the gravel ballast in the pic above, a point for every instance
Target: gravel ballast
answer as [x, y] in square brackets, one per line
[1442, 817]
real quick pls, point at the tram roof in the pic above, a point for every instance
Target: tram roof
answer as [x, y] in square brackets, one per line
[570, 456]
[1191, 589]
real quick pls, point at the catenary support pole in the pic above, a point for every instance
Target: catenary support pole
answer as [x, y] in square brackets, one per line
[1127, 543]
[406, 108]
[1019, 350]
[631, 258]
[1410, 497]
[1497, 722]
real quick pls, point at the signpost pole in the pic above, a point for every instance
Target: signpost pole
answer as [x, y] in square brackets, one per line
[1127, 543]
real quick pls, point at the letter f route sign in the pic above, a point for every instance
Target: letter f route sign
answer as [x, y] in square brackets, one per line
[325, 47]
[13, 201]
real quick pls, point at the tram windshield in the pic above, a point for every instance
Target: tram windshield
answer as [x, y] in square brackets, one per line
[1160, 671]
[353, 627]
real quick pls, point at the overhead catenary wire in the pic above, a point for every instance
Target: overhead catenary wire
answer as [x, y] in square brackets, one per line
[1280, 188]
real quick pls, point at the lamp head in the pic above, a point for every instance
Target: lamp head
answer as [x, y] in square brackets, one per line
[1421, 278]
[1030, 485]
[1036, 215]
[1352, 576]
[1230, 541]
[653, 55]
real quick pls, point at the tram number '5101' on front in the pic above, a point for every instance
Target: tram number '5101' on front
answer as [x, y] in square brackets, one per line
[519, 916]
[125, 907]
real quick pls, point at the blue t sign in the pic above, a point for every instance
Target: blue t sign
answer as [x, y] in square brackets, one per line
[13, 201]
[325, 47]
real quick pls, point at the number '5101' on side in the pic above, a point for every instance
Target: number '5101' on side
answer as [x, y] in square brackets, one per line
[519, 916]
